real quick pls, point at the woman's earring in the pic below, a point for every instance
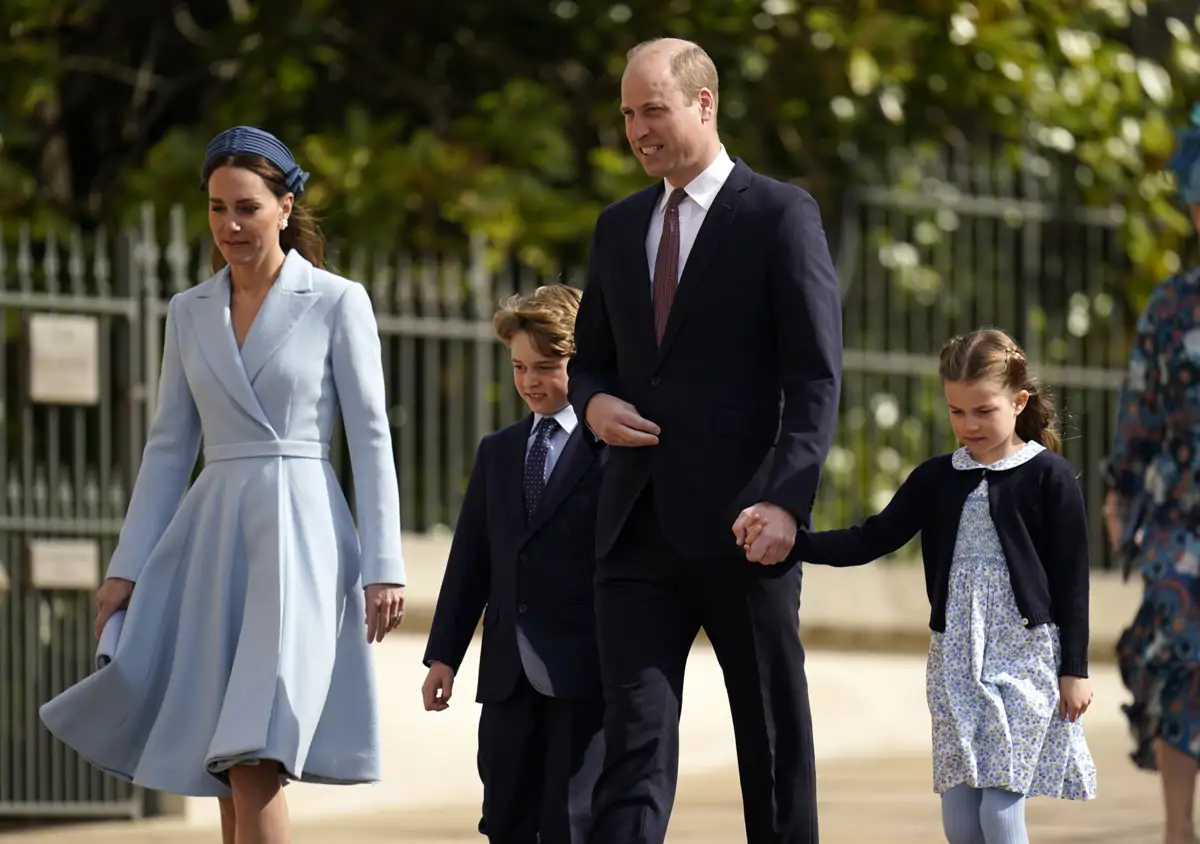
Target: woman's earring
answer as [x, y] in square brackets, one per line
[283, 224]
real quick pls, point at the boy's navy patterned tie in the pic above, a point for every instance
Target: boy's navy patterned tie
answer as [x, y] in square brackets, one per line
[535, 465]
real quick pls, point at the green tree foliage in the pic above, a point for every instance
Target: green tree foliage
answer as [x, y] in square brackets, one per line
[422, 120]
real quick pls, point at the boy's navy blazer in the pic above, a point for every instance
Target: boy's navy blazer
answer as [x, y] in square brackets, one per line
[534, 577]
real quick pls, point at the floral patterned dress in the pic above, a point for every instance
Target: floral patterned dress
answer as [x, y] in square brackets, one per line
[992, 682]
[1157, 455]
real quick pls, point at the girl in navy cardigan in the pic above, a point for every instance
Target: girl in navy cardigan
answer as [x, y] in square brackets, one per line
[1004, 543]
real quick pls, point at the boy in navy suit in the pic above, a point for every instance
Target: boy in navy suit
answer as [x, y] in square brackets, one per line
[523, 547]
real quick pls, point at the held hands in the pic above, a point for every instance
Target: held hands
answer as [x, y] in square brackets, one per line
[766, 533]
[385, 610]
[112, 595]
[1074, 697]
[748, 527]
[617, 422]
[438, 686]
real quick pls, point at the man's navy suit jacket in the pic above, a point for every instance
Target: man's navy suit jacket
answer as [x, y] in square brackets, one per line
[746, 382]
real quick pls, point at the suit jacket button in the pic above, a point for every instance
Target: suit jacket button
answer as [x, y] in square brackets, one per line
[654, 382]
[523, 557]
[522, 609]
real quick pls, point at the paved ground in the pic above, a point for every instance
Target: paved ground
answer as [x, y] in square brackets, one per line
[870, 800]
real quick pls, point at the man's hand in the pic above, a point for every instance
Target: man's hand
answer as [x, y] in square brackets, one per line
[766, 532]
[617, 422]
[439, 685]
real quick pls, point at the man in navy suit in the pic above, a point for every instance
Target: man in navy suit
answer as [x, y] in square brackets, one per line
[708, 357]
[524, 547]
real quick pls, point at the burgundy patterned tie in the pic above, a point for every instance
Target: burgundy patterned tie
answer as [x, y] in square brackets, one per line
[666, 265]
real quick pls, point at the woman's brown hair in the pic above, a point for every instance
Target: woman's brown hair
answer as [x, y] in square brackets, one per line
[302, 232]
[991, 354]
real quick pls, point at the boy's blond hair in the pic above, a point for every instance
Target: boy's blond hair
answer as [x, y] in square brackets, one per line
[547, 315]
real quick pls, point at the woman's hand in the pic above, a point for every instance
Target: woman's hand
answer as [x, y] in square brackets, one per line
[385, 610]
[112, 595]
[1114, 518]
[1074, 696]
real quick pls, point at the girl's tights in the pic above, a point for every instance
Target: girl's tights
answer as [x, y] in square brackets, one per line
[983, 816]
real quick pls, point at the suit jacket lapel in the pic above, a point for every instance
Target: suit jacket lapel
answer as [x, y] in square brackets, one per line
[286, 304]
[568, 469]
[209, 312]
[641, 306]
[717, 223]
[511, 468]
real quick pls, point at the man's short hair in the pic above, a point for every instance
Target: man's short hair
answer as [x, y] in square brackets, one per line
[691, 67]
[547, 315]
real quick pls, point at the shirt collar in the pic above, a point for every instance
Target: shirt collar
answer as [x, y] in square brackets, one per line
[962, 459]
[704, 188]
[566, 419]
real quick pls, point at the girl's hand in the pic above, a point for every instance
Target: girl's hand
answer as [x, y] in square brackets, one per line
[1074, 697]
[751, 525]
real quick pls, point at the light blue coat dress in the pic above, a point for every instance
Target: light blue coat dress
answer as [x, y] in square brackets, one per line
[245, 638]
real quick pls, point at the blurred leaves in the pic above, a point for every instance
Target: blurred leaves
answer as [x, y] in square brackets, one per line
[469, 115]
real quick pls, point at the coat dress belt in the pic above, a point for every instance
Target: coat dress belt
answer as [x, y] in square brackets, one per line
[266, 448]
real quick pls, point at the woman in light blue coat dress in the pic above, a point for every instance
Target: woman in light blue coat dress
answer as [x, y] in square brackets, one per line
[248, 603]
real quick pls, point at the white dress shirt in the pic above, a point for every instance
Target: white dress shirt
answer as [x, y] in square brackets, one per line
[701, 192]
[557, 440]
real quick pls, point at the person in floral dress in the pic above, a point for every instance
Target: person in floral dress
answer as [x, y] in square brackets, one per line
[1153, 515]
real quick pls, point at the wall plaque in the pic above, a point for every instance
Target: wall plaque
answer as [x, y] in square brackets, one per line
[64, 564]
[64, 359]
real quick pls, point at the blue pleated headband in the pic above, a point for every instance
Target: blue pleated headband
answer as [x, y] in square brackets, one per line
[1185, 163]
[247, 140]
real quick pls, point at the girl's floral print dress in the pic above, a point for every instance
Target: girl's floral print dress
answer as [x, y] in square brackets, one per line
[993, 681]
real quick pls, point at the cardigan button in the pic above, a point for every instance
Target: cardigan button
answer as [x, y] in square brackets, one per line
[1025, 621]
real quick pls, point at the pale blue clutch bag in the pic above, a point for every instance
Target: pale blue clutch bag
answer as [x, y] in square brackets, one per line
[109, 636]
